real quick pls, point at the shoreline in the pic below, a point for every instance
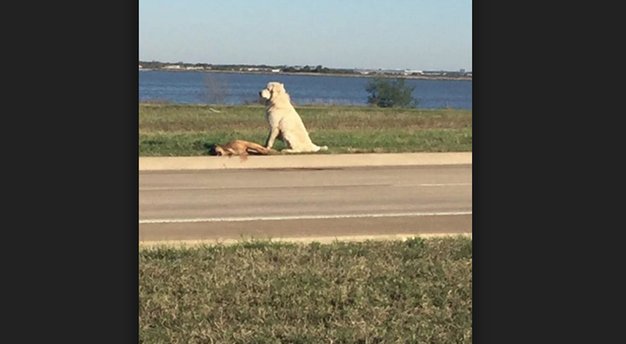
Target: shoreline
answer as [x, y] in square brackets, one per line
[416, 77]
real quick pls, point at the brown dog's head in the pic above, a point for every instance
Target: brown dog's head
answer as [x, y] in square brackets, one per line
[272, 89]
[216, 150]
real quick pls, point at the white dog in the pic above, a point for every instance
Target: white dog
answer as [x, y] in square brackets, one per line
[285, 121]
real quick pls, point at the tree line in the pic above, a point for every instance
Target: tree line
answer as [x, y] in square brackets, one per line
[242, 67]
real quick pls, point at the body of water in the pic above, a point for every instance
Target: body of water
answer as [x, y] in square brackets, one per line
[191, 87]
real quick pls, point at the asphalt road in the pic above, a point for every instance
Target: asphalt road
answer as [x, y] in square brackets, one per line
[304, 203]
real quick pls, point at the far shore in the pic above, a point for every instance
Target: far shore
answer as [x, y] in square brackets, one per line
[420, 77]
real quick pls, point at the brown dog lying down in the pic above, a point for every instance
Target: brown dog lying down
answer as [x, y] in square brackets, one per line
[241, 148]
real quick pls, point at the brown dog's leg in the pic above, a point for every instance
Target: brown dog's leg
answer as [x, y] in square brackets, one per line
[257, 148]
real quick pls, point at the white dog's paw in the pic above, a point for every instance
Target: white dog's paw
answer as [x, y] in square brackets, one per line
[323, 148]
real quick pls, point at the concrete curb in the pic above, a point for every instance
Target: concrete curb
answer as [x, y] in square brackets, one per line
[300, 240]
[303, 161]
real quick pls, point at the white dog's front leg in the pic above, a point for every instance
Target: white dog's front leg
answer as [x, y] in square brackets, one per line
[272, 137]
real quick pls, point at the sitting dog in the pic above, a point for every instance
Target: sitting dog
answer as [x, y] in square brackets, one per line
[241, 148]
[284, 121]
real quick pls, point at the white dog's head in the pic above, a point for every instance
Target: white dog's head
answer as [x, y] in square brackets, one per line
[272, 90]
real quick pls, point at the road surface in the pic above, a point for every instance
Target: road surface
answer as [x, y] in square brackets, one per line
[217, 205]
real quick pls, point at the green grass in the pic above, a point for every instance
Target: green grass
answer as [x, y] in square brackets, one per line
[189, 130]
[416, 291]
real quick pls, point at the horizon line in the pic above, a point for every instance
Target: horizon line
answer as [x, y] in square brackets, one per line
[301, 65]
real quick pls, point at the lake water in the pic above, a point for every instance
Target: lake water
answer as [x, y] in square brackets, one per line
[191, 87]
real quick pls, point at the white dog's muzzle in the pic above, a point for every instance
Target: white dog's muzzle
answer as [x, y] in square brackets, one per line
[265, 94]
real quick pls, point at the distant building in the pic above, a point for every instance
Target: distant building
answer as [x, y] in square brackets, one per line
[434, 73]
[172, 67]
[413, 72]
[275, 70]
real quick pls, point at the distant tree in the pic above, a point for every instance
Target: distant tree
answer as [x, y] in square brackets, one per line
[390, 93]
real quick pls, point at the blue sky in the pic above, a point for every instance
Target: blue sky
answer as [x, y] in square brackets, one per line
[386, 34]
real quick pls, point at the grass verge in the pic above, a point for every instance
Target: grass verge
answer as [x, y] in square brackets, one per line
[189, 130]
[413, 291]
